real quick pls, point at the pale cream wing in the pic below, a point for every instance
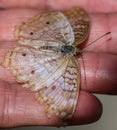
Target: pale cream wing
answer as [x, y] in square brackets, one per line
[33, 68]
[80, 23]
[50, 28]
[61, 95]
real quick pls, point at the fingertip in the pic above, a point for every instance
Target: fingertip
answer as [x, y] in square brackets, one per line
[89, 109]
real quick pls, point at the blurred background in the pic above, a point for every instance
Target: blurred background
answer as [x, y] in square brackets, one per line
[108, 120]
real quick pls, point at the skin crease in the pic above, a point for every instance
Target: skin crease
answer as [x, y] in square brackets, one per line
[18, 105]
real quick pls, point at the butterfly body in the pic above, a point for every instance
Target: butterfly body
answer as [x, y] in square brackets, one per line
[64, 49]
[44, 58]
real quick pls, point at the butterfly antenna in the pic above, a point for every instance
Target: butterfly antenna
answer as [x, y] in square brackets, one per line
[98, 39]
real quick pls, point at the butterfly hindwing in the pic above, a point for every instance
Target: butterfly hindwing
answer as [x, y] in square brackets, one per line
[61, 95]
[32, 67]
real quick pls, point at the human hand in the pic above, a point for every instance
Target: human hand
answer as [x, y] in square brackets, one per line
[18, 106]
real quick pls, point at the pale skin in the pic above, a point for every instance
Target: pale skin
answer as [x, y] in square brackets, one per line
[18, 106]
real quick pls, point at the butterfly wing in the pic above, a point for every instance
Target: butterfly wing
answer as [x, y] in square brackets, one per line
[80, 23]
[32, 68]
[49, 29]
[61, 95]
[55, 79]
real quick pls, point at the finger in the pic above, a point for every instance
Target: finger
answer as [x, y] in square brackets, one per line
[6, 75]
[90, 5]
[100, 24]
[40, 4]
[18, 104]
[100, 71]
[89, 109]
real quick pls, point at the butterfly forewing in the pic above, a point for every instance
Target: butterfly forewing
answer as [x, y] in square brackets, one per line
[45, 29]
[80, 23]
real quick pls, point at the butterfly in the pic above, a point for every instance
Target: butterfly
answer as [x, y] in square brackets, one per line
[44, 59]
